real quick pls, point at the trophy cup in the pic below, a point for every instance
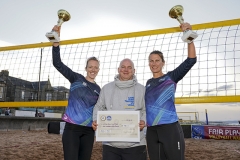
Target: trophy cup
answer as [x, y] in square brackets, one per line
[63, 16]
[176, 13]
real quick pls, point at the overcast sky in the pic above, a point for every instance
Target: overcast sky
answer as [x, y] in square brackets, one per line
[27, 21]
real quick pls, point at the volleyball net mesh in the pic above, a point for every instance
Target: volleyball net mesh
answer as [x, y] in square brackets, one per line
[28, 78]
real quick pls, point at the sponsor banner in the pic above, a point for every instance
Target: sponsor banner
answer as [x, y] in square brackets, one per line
[215, 132]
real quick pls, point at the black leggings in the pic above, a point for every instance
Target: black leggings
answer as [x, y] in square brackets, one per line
[132, 153]
[166, 142]
[77, 142]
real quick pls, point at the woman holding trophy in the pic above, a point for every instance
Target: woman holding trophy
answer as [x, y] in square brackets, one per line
[165, 139]
[78, 135]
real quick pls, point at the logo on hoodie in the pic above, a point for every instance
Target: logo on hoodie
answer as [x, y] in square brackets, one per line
[130, 103]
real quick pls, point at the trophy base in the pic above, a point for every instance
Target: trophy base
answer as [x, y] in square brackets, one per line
[189, 36]
[52, 36]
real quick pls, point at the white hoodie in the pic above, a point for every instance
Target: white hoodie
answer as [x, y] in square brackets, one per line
[122, 96]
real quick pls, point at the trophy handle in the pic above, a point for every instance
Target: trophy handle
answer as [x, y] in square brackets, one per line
[180, 19]
[59, 22]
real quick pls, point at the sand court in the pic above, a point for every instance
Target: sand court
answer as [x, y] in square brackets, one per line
[40, 145]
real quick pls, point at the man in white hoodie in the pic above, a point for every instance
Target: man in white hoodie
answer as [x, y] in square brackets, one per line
[123, 94]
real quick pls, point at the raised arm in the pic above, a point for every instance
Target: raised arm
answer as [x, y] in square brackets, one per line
[57, 62]
[178, 73]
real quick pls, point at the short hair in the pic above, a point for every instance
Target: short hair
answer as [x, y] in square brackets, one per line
[92, 58]
[158, 53]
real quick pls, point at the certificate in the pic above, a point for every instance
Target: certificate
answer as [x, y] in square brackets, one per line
[118, 126]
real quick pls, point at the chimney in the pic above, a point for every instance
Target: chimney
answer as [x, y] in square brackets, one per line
[5, 72]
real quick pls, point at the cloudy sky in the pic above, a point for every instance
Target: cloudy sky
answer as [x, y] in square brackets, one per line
[27, 21]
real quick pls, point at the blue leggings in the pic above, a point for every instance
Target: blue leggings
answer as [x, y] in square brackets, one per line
[166, 142]
[77, 142]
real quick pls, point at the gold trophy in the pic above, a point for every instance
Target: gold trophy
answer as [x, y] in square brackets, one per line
[63, 16]
[176, 13]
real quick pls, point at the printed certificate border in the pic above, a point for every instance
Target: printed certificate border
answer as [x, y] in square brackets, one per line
[118, 139]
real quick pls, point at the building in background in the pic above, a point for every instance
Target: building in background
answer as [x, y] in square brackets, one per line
[14, 89]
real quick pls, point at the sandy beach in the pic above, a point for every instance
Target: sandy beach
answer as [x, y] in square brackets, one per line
[40, 145]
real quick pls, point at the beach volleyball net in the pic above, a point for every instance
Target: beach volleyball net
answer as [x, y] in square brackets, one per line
[28, 78]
